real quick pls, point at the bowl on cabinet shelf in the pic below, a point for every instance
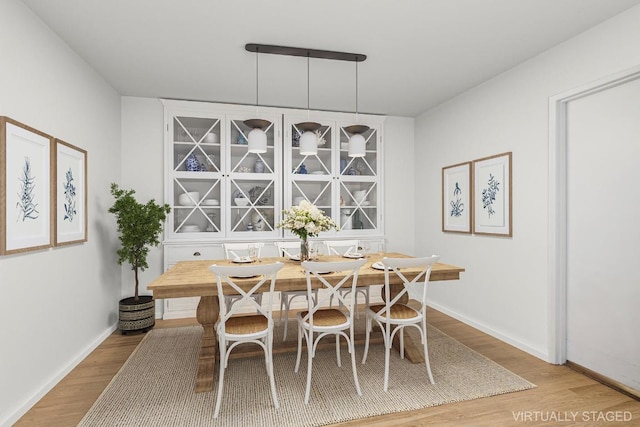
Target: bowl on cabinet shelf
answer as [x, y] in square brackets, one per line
[190, 229]
[189, 199]
[211, 202]
[359, 195]
[241, 201]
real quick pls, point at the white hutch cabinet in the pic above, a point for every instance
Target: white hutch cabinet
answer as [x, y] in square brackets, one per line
[220, 192]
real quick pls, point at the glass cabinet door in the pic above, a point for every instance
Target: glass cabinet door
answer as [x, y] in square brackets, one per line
[195, 156]
[359, 183]
[253, 180]
[310, 177]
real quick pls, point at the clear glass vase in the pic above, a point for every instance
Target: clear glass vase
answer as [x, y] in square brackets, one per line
[304, 250]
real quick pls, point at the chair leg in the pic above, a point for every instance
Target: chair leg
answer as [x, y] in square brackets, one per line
[223, 364]
[286, 317]
[309, 366]
[299, 348]
[338, 351]
[272, 380]
[367, 331]
[387, 355]
[352, 350]
[355, 303]
[426, 351]
[401, 333]
[282, 298]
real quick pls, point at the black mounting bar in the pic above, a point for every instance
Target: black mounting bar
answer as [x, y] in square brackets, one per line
[300, 51]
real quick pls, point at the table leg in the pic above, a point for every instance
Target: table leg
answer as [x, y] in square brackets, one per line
[412, 350]
[207, 315]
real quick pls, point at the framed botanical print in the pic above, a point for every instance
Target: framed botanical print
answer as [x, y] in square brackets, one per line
[492, 195]
[25, 188]
[456, 198]
[69, 194]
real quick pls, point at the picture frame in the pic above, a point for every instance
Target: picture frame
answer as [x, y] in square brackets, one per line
[69, 194]
[25, 188]
[457, 191]
[493, 195]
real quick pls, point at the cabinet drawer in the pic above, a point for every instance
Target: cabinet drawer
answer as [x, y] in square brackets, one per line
[173, 254]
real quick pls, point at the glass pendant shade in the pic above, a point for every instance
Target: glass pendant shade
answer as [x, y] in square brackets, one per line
[257, 141]
[308, 143]
[357, 145]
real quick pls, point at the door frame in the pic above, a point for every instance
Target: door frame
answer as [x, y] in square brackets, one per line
[557, 238]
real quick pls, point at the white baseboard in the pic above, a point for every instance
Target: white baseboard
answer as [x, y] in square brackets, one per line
[28, 404]
[494, 333]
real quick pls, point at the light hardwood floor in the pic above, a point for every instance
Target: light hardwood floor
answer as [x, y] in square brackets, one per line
[563, 397]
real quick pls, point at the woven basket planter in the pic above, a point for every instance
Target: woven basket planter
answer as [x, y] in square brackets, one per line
[137, 315]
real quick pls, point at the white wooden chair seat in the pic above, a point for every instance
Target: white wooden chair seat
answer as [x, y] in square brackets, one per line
[397, 311]
[326, 318]
[247, 325]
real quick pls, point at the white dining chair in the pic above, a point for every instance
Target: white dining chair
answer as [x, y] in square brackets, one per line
[241, 251]
[392, 316]
[344, 248]
[290, 249]
[233, 329]
[328, 321]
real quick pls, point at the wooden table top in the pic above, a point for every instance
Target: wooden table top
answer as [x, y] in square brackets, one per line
[193, 278]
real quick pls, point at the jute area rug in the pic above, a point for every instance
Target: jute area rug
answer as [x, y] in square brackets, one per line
[155, 385]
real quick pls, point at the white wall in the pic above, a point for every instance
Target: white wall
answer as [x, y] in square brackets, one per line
[399, 187]
[56, 304]
[142, 170]
[505, 288]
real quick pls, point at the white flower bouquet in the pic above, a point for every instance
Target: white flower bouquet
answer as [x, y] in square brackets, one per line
[306, 220]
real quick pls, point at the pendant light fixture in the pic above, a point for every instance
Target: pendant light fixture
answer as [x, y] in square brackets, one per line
[257, 138]
[357, 143]
[308, 140]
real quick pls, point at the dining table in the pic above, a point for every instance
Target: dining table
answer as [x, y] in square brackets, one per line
[194, 279]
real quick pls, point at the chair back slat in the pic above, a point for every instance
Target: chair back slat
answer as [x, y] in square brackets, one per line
[239, 250]
[288, 249]
[316, 270]
[393, 266]
[229, 275]
[341, 247]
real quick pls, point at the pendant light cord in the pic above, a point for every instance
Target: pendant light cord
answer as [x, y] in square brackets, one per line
[308, 84]
[257, 82]
[356, 91]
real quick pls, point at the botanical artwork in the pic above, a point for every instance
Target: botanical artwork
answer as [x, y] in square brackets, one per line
[457, 207]
[489, 194]
[456, 198]
[70, 197]
[492, 212]
[27, 203]
[70, 194]
[25, 208]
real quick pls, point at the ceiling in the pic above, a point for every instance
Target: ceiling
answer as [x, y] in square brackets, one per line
[420, 52]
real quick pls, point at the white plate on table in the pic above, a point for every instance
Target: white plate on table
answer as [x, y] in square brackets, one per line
[378, 265]
[242, 260]
[353, 255]
[294, 257]
[249, 276]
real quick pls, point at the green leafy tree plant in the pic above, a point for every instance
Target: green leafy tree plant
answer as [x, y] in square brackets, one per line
[139, 226]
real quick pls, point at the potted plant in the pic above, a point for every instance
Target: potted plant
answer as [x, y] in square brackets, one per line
[139, 226]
